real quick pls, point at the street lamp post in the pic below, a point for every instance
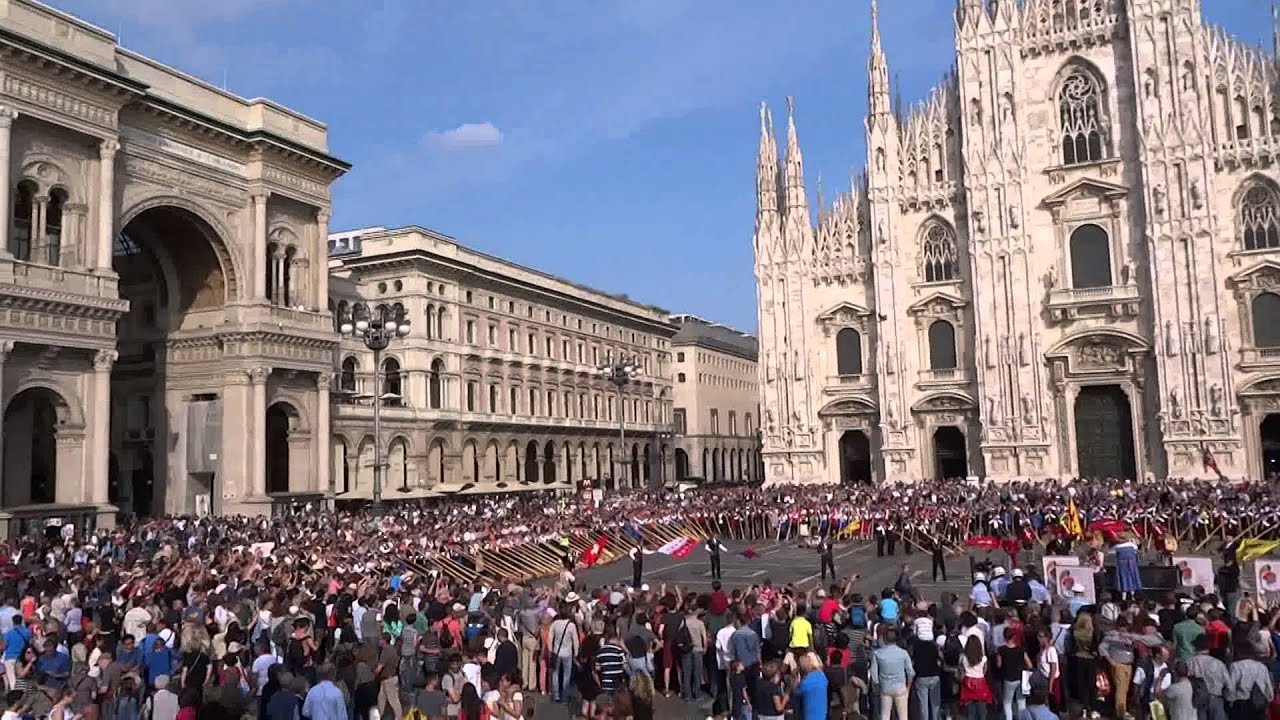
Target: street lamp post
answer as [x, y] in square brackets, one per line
[620, 371]
[377, 335]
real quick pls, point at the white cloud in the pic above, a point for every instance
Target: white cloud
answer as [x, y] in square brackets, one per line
[467, 136]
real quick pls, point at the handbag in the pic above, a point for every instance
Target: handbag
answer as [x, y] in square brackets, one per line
[1102, 684]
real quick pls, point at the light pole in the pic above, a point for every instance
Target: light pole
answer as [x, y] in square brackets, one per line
[620, 371]
[377, 335]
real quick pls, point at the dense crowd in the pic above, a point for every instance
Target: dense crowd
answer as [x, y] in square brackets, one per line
[427, 611]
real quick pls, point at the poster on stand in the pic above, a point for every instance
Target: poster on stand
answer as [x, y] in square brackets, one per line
[1194, 571]
[1050, 565]
[1076, 581]
[1266, 581]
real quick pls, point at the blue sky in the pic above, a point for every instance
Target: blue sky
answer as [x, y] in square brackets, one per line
[609, 141]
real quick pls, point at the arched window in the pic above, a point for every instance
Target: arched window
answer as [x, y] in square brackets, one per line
[1256, 219]
[53, 227]
[942, 345]
[849, 352]
[1090, 257]
[431, 322]
[287, 290]
[435, 383]
[23, 209]
[342, 314]
[391, 384]
[938, 255]
[397, 312]
[347, 378]
[1266, 320]
[1080, 112]
[272, 261]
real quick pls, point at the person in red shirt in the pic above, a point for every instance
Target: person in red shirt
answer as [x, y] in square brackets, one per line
[1219, 634]
[829, 604]
[719, 602]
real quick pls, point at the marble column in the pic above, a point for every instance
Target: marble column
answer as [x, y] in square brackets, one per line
[321, 434]
[320, 266]
[257, 425]
[106, 202]
[278, 269]
[100, 424]
[6, 347]
[258, 268]
[7, 116]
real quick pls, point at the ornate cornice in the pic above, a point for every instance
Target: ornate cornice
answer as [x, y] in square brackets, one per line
[25, 297]
[60, 101]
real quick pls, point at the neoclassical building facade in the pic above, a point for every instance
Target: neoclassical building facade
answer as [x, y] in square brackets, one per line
[496, 388]
[163, 284]
[1065, 261]
[717, 401]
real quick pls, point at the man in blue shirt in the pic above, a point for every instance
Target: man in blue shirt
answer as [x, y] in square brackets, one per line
[888, 607]
[325, 701]
[15, 639]
[54, 666]
[744, 646]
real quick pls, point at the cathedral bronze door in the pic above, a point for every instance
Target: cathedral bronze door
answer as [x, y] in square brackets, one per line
[1104, 433]
[950, 456]
[855, 458]
[1269, 435]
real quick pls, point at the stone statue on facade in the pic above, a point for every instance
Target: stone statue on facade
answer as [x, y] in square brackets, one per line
[1051, 277]
[1170, 339]
[1157, 197]
[1197, 195]
[1215, 400]
[1015, 215]
[1028, 410]
[1175, 405]
[1210, 335]
[994, 411]
[1130, 273]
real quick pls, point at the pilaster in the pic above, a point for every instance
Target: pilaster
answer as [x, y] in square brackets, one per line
[7, 116]
[106, 202]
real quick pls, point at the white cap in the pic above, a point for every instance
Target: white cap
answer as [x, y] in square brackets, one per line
[644, 587]
[998, 572]
[979, 576]
[1017, 572]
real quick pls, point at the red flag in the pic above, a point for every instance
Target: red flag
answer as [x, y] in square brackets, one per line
[1211, 463]
[592, 554]
[749, 553]
[988, 542]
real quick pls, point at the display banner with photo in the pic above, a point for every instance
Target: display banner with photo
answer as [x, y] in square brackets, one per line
[1266, 579]
[1194, 571]
[1076, 581]
[1050, 565]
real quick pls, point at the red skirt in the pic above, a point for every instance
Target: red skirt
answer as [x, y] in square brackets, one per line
[975, 690]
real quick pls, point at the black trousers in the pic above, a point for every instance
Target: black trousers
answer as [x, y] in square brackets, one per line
[636, 571]
[715, 566]
[879, 544]
[828, 563]
[892, 541]
[939, 566]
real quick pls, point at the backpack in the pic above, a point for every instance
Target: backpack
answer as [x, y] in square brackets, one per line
[1258, 701]
[1199, 693]
[684, 639]
[952, 649]
[820, 637]
[858, 616]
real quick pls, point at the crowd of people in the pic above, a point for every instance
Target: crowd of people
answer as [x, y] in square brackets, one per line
[468, 608]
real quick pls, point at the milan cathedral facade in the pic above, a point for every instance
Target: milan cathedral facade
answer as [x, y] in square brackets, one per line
[1064, 262]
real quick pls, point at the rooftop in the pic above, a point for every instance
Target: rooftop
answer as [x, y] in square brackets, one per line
[379, 241]
[704, 333]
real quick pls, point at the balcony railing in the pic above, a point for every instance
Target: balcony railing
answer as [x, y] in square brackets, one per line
[1260, 357]
[838, 383]
[68, 280]
[943, 376]
[1114, 300]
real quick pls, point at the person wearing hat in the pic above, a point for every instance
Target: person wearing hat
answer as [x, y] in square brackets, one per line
[1018, 591]
[999, 582]
[980, 595]
[826, 557]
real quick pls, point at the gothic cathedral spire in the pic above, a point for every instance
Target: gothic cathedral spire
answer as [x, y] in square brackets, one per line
[796, 200]
[766, 171]
[879, 103]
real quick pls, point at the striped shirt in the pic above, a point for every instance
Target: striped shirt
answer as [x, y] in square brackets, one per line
[611, 666]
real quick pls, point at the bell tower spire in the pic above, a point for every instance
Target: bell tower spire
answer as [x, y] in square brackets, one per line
[796, 200]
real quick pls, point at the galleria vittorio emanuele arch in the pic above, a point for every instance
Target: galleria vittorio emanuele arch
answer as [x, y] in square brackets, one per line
[1064, 262]
[163, 283]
